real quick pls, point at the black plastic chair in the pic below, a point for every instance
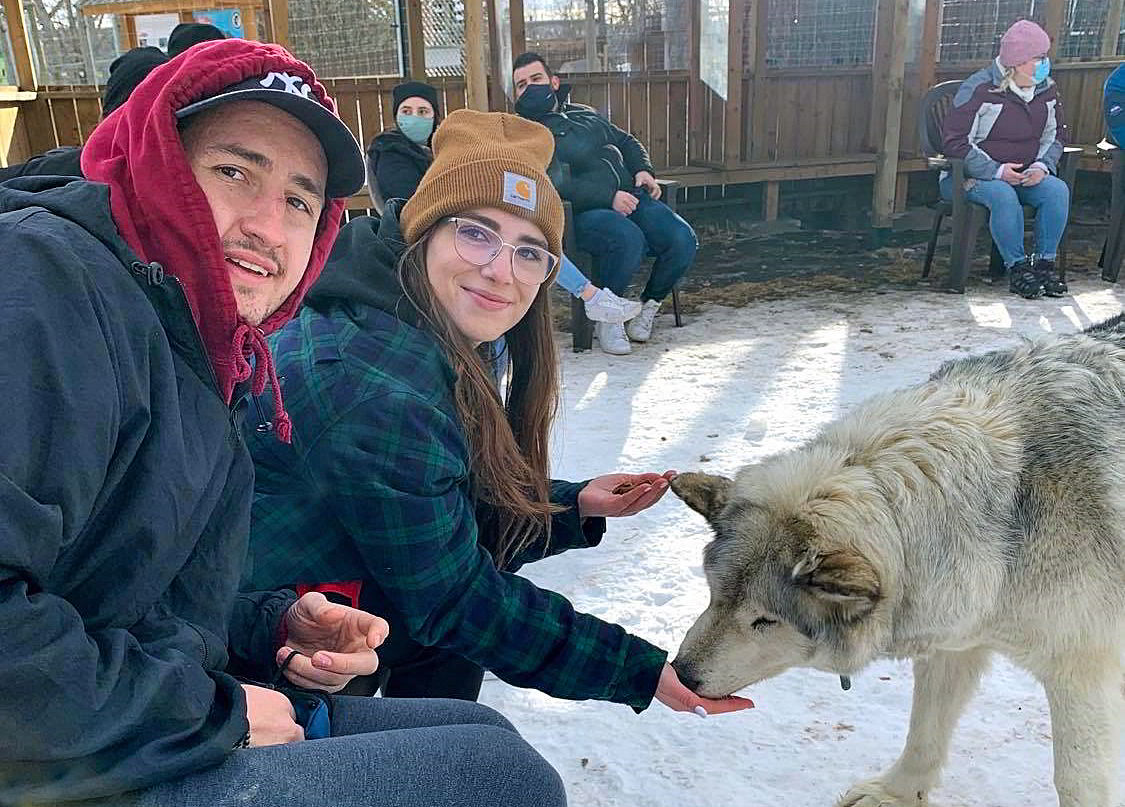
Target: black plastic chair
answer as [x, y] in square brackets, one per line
[1113, 250]
[581, 329]
[968, 218]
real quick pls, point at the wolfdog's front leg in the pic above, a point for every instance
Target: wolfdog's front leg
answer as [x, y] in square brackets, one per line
[1084, 693]
[943, 684]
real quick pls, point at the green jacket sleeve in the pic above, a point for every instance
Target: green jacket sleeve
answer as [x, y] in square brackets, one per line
[395, 468]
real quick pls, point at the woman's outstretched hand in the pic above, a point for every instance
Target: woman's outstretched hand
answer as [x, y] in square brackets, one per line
[615, 495]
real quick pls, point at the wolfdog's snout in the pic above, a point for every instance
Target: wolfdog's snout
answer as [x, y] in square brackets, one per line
[687, 674]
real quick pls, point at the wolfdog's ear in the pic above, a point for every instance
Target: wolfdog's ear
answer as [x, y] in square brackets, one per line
[842, 580]
[703, 493]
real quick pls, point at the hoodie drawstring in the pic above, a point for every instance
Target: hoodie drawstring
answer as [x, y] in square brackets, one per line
[247, 340]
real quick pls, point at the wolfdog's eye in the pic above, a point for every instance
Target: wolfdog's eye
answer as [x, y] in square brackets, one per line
[761, 623]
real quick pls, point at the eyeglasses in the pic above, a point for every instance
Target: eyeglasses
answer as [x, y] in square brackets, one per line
[479, 245]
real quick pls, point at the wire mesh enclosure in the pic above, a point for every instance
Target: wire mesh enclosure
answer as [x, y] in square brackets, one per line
[347, 37]
[69, 47]
[971, 29]
[595, 36]
[1084, 29]
[820, 33]
[7, 60]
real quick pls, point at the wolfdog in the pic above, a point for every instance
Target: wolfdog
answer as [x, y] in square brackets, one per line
[981, 511]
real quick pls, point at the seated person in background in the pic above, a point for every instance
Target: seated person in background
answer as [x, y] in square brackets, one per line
[125, 73]
[614, 194]
[398, 157]
[1007, 124]
[1114, 105]
[409, 471]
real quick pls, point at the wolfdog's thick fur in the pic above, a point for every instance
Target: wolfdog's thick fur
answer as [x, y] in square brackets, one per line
[981, 511]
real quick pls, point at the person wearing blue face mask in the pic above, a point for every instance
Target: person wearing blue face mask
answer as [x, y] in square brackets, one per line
[606, 175]
[398, 157]
[1007, 124]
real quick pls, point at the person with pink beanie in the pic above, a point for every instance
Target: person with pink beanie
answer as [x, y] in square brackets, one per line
[1007, 125]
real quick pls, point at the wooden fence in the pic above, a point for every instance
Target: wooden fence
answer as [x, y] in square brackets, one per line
[799, 124]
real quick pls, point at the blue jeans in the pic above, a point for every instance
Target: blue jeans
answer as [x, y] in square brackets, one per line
[1050, 198]
[619, 244]
[382, 753]
[571, 278]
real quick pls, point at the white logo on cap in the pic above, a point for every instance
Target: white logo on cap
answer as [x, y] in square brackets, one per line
[292, 84]
[519, 191]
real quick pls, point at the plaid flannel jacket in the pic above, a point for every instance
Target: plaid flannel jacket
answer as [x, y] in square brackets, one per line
[376, 485]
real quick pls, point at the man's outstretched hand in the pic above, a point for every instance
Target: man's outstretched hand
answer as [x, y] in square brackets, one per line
[335, 643]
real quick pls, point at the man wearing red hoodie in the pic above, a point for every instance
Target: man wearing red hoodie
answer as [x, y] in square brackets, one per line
[133, 309]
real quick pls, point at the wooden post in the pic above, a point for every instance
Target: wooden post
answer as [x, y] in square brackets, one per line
[497, 84]
[697, 149]
[249, 22]
[880, 71]
[771, 200]
[1112, 28]
[886, 161]
[931, 41]
[519, 31]
[902, 191]
[131, 30]
[416, 40]
[21, 45]
[735, 121]
[476, 73]
[1055, 22]
[592, 64]
[279, 21]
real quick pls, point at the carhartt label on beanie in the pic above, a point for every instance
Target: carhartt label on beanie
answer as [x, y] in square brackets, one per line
[1023, 42]
[519, 191]
[488, 159]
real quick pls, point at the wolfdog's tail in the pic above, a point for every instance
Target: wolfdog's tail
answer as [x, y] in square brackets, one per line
[1112, 330]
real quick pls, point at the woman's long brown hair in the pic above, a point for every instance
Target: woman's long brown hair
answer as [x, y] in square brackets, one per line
[508, 432]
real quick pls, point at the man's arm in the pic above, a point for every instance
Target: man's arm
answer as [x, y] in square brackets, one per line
[591, 190]
[88, 710]
[632, 151]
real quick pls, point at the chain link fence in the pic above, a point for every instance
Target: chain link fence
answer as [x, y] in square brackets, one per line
[971, 29]
[347, 38]
[820, 33]
[596, 36]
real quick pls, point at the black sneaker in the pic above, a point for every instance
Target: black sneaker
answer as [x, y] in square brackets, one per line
[1048, 275]
[1023, 280]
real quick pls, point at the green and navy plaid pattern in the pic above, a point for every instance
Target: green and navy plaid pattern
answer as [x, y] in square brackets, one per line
[376, 486]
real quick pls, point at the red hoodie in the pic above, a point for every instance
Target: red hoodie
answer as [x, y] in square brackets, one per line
[163, 215]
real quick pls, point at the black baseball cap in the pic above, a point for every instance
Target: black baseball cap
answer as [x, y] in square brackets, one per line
[346, 171]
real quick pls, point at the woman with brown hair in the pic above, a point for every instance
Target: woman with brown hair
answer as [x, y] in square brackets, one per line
[413, 486]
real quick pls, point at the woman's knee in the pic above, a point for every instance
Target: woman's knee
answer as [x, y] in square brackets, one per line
[1056, 189]
[995, 193]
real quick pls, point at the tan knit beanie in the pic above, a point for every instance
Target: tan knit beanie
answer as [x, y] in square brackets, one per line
[488, 159]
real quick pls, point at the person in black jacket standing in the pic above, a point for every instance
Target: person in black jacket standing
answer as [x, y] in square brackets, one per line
[606, 175]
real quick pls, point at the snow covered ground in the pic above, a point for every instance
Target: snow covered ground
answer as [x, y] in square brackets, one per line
[731, 387]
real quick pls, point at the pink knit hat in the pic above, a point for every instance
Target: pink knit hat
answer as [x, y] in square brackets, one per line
[1023, 42]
